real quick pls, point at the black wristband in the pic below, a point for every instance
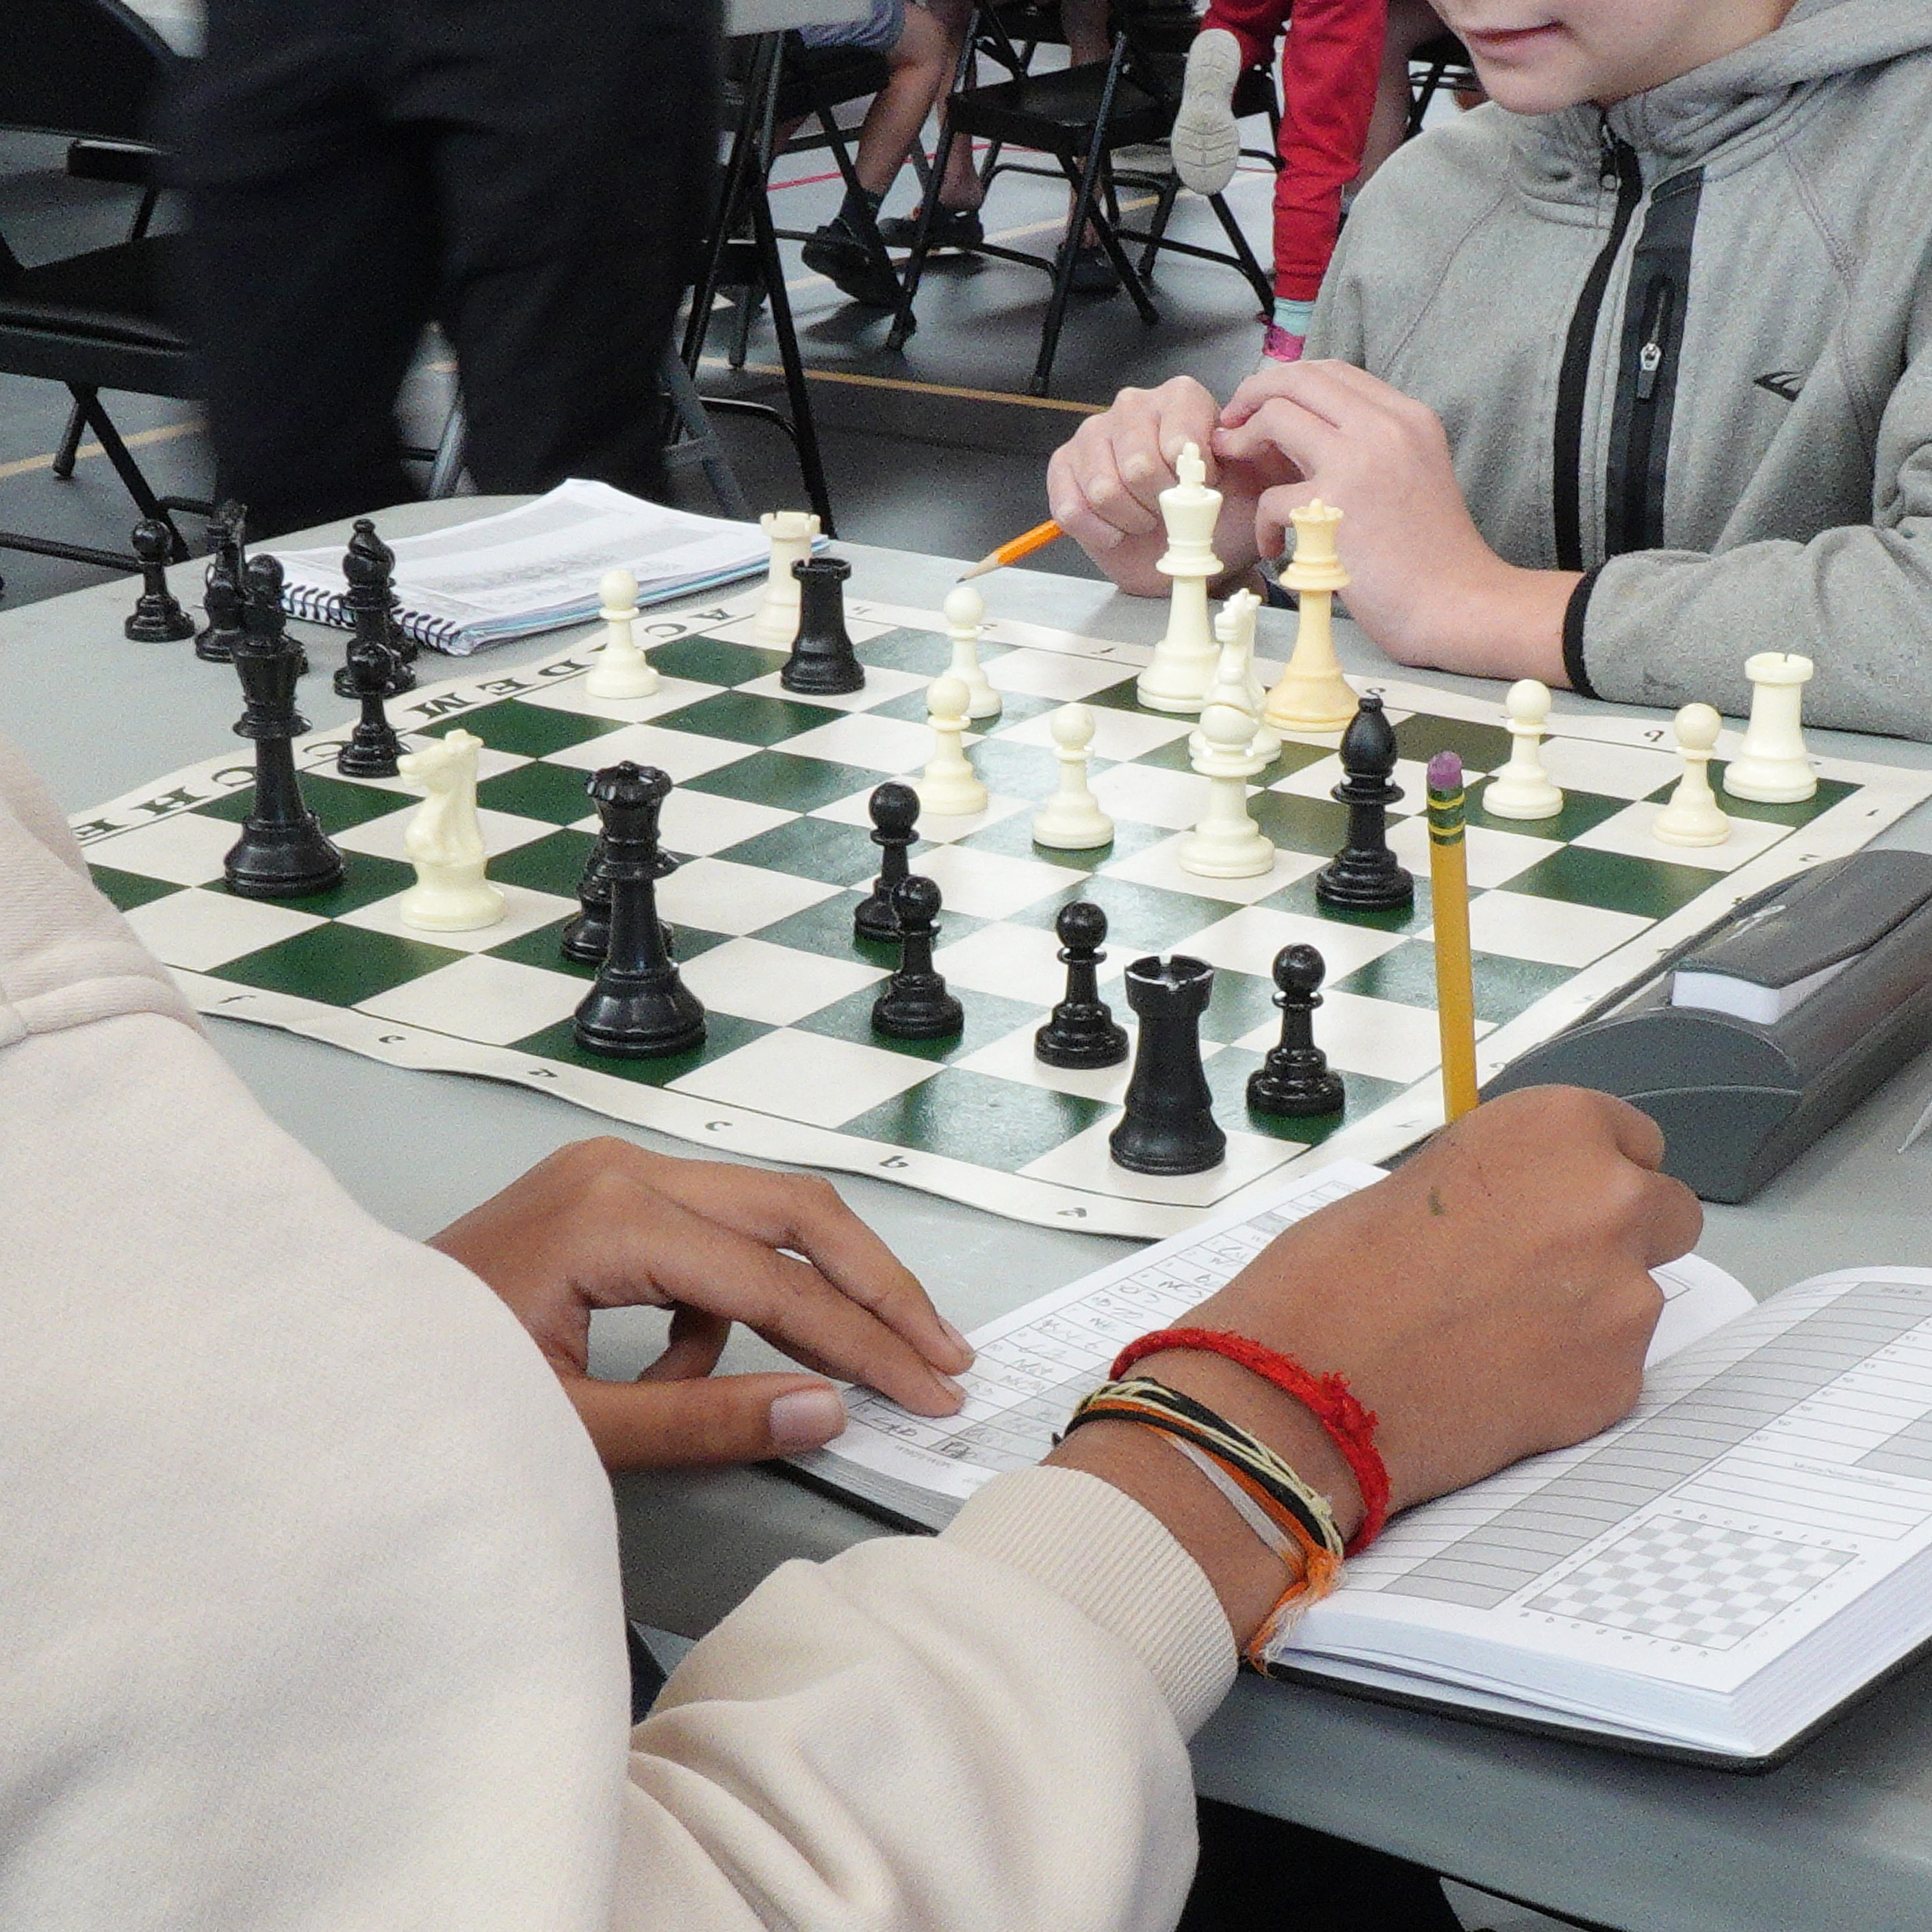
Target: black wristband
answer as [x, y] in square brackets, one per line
[1574, 617]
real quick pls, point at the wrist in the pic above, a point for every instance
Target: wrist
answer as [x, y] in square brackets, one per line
[1507, 624]
[1285, 1425]
[1245, 1576]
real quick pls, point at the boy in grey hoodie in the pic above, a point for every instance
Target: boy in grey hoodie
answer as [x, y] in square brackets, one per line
[1628, 375]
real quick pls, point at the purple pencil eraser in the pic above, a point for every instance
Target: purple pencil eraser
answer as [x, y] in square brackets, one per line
[1445, 773]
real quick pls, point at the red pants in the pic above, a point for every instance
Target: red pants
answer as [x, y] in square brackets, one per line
[1331, 61]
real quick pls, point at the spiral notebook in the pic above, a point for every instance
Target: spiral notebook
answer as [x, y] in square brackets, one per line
[534, 568]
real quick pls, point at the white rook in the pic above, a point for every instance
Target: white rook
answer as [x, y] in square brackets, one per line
[790, 532]
[1771, 766]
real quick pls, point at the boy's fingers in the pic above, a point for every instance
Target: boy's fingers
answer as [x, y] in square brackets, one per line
[721, 1420]
[1279, 423]
[1111, 496]
[1067, 500]
[1271, 514]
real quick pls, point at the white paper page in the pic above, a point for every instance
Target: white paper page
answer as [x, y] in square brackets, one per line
[1771, 1476]
[544, 556]
[1036, 1363]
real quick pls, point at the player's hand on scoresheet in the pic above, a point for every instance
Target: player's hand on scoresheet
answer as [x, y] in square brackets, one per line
[1425, 585]
[1103, 485]
[1490, 1300]
[1493, 1298]
[605, 1224]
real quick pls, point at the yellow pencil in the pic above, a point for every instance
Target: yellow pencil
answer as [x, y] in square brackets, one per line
[1038, 538]
[1449, 891]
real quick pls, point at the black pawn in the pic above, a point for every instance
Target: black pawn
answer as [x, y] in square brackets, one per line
[822, 663]
[372, 747]
[1169, 1126]
[158, 617]
[215, 643]
[639, 1009]
[1082, 1031]
[586, 934]
[369, 600]
[1364, 876]
[894, 811]
[1295, 1080]
[282, 853]
[222, 601]
[916, 1004]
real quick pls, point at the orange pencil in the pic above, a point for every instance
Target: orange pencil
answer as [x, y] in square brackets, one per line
[1038, 538]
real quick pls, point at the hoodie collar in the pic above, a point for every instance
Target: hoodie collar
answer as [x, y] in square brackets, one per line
[1689, 119]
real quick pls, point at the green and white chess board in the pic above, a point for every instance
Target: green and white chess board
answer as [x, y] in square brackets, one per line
[769, 820]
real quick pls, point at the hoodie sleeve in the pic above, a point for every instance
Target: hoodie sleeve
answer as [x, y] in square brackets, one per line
[985, 1729]
[310, 1581]
[1663, 627]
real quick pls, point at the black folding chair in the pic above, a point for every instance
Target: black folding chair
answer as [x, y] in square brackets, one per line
[742, 256]
[97, 320]
[1442, 62]
[1080, 117]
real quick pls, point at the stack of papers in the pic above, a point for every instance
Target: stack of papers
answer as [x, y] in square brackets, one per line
[535, 568]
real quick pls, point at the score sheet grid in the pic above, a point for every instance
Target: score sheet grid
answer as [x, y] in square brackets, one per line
[1033, 1366]
[1768, 1478]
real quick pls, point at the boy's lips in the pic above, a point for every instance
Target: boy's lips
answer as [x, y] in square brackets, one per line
[1505, 41]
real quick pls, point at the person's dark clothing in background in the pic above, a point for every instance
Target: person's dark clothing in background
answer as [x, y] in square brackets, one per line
[533, 174]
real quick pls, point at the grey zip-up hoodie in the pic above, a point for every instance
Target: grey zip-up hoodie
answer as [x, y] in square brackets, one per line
[1687, 346]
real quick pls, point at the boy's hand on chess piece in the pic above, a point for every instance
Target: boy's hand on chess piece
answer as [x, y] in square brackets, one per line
[1103, 485]
[1491, 1300]
[605, 1224]
[1425, 585]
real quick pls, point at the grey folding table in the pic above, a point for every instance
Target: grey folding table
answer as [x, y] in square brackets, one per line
[1840, 1839]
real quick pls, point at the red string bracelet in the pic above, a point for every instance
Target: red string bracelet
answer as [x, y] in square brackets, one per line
[1350, 1427]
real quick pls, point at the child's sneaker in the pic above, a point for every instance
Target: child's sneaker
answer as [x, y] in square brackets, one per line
[951, 228]
[1206, 143]
[835, 253]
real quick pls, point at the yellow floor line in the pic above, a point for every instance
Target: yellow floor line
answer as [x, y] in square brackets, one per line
[859, 381]
[140, 439]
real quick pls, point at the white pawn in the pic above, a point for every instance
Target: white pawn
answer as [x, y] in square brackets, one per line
[622, 671]
[444, 841]
[1227, 843]
[1071, 821]
[948, 787]
[1522, 789]
[790, 532]
[1771, 765]
[965, 613]
[1692, 815]
[1236, 680]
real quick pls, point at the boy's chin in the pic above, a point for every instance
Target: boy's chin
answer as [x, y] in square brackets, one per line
[1528, 92]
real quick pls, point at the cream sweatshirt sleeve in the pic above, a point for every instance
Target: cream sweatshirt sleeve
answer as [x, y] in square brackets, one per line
[309, 1583]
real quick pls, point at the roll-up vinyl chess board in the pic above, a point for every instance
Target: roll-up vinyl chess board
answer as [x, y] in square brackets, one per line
[768, 821]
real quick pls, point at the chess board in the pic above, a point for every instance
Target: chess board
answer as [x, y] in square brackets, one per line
[769, 822]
